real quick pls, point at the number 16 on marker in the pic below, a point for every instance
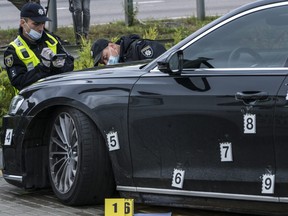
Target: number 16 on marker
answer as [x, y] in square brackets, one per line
[119, 207]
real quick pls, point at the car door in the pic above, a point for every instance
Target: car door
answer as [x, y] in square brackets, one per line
[214, 131]
[209, 130]
[281, 144]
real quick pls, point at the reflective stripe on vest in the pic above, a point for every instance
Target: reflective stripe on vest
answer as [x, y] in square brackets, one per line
[26, 55]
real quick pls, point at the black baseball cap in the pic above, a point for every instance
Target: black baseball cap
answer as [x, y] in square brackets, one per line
[34, 11]
[97, 49]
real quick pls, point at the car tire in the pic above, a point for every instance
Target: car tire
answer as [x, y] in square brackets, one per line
[79, 167]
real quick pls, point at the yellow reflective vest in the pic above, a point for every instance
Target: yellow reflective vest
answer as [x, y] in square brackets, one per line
[26, 55]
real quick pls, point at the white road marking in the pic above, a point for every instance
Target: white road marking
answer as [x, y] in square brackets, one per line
[149, 2]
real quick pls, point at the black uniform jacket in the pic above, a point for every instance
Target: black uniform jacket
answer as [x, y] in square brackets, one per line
[17, 71]
[134, 48]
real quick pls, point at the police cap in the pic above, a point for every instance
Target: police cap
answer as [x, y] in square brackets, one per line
[97, 49]
[34, 11]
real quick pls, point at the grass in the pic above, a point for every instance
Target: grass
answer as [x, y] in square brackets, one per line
[175, 29]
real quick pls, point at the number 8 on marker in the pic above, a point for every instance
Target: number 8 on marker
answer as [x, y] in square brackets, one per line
[249, 123]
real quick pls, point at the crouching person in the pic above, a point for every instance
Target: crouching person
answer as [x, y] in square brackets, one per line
[126, 49]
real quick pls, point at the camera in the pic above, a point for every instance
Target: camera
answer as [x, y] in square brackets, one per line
[59, 57]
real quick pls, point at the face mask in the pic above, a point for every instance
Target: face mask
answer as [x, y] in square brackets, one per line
[34, 35]
[113, 59]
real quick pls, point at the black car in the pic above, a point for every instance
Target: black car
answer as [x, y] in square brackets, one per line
[205, 125]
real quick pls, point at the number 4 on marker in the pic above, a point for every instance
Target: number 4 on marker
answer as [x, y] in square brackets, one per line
[8, 137]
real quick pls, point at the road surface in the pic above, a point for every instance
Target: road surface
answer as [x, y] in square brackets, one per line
[105, 11]
[18, 202]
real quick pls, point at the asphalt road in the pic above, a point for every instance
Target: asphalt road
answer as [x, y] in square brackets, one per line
[15, 201]
[105, 11]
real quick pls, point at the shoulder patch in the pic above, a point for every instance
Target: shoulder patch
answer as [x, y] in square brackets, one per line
[147, 51]
[9, 60]
[18, 42]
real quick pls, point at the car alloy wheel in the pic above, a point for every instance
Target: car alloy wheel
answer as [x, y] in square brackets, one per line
[79, 166]
[63, 153]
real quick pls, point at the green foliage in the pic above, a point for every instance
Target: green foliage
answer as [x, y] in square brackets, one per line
[84, 60]
[177, 36]
[165, 29]
[6, 94]
[7, 36]
[151, 33]
[114, 39]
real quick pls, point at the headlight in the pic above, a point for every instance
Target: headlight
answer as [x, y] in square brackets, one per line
[15, 104]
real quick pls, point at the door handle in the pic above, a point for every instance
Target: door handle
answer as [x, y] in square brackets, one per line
[251, 96]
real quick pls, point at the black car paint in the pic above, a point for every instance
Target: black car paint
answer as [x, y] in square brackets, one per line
[138, 103]
[87, 98]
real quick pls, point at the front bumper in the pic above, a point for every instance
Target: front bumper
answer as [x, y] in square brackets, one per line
[24, 151]
[11, 159]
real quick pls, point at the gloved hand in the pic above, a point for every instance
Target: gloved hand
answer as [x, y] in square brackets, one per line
[46, 56]
[58, 62]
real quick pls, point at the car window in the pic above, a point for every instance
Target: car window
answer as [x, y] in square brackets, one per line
[259, 39]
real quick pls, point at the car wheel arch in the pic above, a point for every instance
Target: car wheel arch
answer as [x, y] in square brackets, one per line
[35, 133]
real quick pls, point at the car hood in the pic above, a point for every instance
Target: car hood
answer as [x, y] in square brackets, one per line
[103, 72]
[120, 70]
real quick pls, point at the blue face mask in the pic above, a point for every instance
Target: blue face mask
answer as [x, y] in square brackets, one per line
[113, 59]
[34, 35]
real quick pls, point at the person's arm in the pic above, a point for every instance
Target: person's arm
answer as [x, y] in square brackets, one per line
[17, 71]
[69, 61]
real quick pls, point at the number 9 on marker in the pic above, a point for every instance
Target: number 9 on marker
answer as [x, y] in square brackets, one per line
[268, 181]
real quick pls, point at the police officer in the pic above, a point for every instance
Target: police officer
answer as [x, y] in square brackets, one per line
[32, 55]
[127, 48]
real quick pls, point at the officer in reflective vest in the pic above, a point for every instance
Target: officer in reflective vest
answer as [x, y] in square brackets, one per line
[35, 53]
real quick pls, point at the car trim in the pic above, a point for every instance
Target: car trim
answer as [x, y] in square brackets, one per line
[241, 69]
[259, 70]
[237, 71]
[202, 194]
[13, 177]
[283, 199]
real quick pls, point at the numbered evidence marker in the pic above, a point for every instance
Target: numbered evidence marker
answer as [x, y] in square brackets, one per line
[119, 207]
[226, 152]
[8, 137]
[178, 178]
[249, 123]
[112, 140]
[268, 181]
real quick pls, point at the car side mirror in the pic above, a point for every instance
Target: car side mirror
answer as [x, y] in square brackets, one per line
[173, 63]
